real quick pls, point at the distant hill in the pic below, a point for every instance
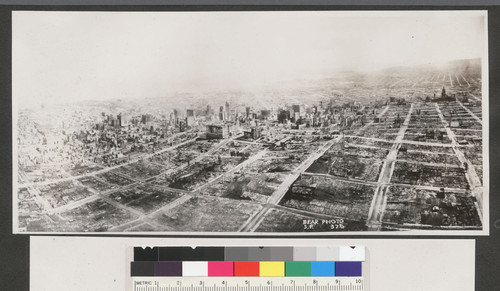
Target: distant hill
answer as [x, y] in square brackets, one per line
[468, 66]
[464, 66]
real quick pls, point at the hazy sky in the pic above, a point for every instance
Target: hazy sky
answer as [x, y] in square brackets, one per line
[99, 55]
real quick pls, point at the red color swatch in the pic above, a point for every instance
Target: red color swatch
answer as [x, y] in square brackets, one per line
[246, 269]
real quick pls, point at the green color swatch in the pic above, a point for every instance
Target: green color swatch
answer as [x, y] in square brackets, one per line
[297, 269]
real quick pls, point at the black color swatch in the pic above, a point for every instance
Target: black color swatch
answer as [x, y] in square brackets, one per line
[191, 254]
[145, 254]
[139, 269]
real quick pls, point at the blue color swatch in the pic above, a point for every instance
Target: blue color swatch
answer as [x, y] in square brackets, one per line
[322, 269]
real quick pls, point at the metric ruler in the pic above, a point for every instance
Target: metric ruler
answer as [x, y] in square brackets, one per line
[248, 284]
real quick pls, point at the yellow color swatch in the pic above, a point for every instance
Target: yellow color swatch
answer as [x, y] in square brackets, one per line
[272, 269]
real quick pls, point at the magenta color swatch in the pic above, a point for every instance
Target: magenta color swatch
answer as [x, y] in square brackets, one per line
[220, 269]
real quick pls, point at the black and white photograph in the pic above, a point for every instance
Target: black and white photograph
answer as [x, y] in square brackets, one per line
[250, 122]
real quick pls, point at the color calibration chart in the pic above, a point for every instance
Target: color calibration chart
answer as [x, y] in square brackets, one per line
[248, 268]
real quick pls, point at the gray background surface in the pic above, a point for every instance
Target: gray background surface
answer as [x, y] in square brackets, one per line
[14, 249]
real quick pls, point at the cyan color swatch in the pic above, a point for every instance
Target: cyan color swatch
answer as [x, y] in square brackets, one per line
[322, 269]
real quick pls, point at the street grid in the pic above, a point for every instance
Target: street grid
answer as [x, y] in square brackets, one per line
[379, 175]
